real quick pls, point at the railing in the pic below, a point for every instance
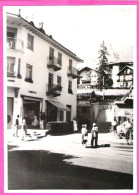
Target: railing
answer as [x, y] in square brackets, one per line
[73, 72]
[16, 44]
[53, 63]
[54, 90]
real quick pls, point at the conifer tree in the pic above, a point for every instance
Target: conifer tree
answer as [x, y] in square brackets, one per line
[104, 80]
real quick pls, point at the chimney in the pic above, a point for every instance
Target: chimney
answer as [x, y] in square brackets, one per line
[19, 12]
[41, 25]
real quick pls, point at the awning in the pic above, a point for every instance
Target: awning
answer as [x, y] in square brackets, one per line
[124, 113]
[31, 98]
[59, 105]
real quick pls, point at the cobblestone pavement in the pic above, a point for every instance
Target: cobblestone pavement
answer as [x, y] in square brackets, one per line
[103, 157]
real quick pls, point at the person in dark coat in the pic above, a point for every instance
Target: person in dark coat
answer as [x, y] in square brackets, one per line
[16, 126]
[94, 134]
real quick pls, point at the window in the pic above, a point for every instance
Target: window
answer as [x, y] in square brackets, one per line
[70, 87]
[28, 73]
[59, 81]
[70, 64]
[10, 66]
[128, 71]
[51, 53]
[19, 67]
[50, 81]
[30, 42]
[59, 58]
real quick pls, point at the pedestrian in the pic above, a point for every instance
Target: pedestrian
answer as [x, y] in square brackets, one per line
[43, 120]
[94, 135]
[84, 134]
[35, 121]
[16, 126]
[114, 126]
[24, 129]
[75, 127]
[128, 126]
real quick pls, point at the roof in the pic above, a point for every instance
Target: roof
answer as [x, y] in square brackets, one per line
[41, 33]
[121, 63]
[87, 69]
[124, 69]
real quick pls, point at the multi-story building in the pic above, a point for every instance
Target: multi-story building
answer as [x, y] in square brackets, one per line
[126, 77]
[116, 68]
[88, 76]
[41, 74]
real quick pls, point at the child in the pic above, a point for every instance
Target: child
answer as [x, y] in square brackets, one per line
[84, 134]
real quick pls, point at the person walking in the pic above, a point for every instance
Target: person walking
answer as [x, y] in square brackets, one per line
[75, 127]
[24, 128]
[16, 126]
[84, 134]
[94, 135]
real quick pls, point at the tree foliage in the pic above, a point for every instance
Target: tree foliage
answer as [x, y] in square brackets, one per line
[104, 77]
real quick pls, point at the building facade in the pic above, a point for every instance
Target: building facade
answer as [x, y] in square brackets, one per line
[126, 77]
[88, 76]
[115, 69]
[41, 74]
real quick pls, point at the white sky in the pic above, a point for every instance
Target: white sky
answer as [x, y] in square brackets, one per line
[83, 28]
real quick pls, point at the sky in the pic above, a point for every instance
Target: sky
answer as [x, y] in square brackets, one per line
[82, 29]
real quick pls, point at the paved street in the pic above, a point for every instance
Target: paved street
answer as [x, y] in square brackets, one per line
[61, 162]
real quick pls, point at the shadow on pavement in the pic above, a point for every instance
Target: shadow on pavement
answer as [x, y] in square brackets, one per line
[44, 170]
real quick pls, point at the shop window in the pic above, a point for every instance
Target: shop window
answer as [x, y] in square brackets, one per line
[70, 87]
[59, 58]
[28, 73]
[10, 66]
[68, 113]
[84, 110]
[61, 115]
[30, 42]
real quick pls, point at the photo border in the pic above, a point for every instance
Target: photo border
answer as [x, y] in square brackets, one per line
[2, 101]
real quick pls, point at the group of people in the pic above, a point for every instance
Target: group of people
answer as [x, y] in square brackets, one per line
[124, 129]
[41, 122]
[94, 135]
[18, 122]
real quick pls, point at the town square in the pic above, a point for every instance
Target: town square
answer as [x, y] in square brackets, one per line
[71, 96]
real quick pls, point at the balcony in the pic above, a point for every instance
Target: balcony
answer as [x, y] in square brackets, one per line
[73, 73]
[53, 63]
[15, 44]
[13, 81]
[54, 90]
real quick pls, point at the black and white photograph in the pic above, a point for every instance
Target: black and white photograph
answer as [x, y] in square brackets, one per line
[70, 91]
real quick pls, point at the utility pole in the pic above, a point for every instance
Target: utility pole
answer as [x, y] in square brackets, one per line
[103, 89]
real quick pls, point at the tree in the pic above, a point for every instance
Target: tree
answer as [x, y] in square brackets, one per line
[104, 80]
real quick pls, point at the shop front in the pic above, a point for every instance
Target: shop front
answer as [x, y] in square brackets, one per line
[31, 108]
[55, 110]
